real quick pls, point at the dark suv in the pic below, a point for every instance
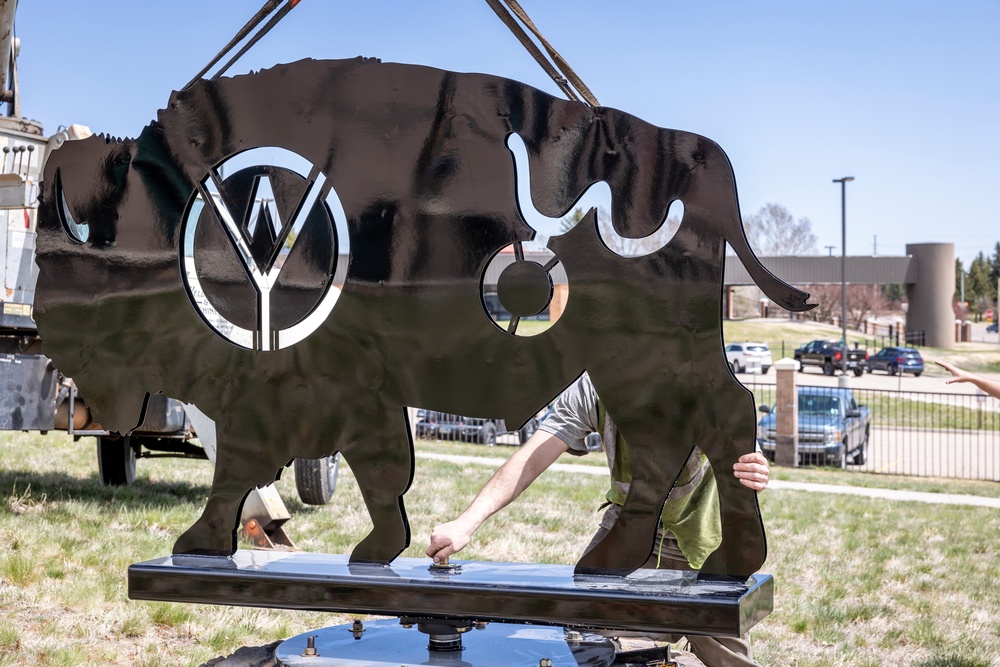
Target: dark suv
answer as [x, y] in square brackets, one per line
[897, 360]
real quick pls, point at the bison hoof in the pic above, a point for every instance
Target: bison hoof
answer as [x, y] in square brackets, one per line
[194, 543]
[371, 550]
[603, 559]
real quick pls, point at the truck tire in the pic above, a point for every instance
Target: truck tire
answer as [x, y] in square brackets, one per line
[115, 460]
[316, 479]
[861, 457]
[858, 372]
[488, 434]
[842, 456]
[828, 368]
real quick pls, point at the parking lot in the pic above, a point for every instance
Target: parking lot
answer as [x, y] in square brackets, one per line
[932, 380]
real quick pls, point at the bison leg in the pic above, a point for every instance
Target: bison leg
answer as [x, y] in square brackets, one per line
[383, 467]
[214, 533]
[743, 546]
[630, 541]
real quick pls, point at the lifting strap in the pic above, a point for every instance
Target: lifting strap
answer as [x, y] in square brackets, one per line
[568, 81]
[509, 11]
[262, 13]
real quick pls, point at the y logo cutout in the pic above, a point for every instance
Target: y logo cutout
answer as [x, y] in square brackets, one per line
[263, 226]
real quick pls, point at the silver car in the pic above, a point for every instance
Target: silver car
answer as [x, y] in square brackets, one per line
[749, 357]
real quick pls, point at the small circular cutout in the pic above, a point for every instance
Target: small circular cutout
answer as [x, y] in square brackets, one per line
[524, 288]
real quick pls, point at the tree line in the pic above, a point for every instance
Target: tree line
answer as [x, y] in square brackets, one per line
[976, 289]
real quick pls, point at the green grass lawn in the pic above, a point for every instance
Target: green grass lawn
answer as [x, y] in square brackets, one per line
[858, 581]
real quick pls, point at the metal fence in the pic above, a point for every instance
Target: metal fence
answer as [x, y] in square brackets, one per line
[924, 434]
[432, 425]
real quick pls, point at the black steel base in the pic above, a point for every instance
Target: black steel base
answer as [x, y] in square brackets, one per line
[386, 643]
[658, 601]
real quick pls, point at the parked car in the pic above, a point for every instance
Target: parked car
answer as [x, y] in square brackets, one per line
[749, 357]
[897, 360]
[444, 426]
[992, 328]
[828, 356]
[832, 427]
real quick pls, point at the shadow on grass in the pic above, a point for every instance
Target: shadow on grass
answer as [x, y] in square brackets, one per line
[60, 486]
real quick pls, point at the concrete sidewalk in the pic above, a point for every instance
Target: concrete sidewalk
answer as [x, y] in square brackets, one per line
[774, 484]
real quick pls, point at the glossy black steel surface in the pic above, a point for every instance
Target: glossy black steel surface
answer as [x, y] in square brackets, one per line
[647, 600]
[418, 160]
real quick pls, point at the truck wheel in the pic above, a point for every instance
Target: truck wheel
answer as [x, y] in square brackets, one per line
[115, 460]
[828, 368]
[316, 479]
[858, 372]
[488, 434]
[861, 457]
[842, 456]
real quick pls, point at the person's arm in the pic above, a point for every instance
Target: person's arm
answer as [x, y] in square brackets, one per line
[514, 476]
[752, 471]
[991, 387]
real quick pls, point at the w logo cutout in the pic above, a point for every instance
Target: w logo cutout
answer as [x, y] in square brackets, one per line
[260, 247]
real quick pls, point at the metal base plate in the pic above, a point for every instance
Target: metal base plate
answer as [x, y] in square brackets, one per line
[661, 601]
[388, 644]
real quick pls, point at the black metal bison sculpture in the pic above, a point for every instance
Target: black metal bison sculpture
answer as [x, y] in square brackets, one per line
[161, 272]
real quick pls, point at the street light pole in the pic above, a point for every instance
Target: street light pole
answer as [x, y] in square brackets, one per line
[843, 270]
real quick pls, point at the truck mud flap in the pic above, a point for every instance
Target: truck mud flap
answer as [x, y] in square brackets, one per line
[27, 393]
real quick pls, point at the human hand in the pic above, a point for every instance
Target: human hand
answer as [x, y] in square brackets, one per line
[753, 471]
[447, 539]
[958, 375]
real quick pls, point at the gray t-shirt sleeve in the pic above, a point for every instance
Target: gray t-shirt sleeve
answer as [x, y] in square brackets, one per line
[574, 415]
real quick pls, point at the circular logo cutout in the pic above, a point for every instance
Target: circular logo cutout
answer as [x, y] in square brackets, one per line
[260, 248]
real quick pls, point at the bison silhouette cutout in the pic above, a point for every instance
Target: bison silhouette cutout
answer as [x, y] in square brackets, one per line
[163, 271]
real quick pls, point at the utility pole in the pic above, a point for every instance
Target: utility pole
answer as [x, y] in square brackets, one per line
[843, 269]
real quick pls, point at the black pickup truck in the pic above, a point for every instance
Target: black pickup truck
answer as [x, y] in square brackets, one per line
[827, 354]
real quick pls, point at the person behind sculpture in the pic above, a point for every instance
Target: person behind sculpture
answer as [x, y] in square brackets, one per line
[690, 528]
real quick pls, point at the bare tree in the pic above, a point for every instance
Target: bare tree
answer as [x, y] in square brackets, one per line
[863, 301]
[773, 231]
[827, 300]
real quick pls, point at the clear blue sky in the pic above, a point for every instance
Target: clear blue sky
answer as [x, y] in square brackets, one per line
[905, 97]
